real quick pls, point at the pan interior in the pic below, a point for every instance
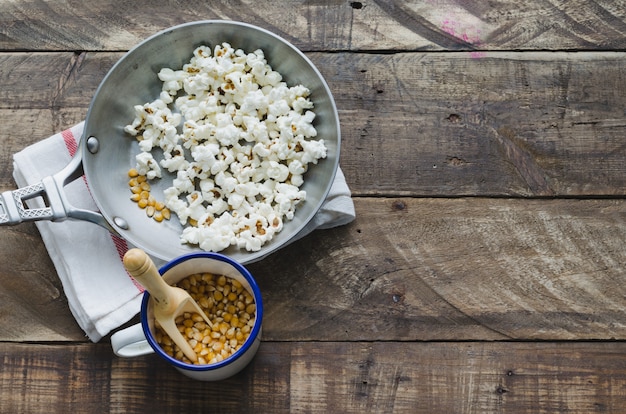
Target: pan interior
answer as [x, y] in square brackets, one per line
[133, 81]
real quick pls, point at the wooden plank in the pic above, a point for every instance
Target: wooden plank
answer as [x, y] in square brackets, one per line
[24, 127]
[446, 269]
[333, 25]
[407, 269]
[346, 377]
[554, 129]
[33, 303]
[515, 124]
[60, 79]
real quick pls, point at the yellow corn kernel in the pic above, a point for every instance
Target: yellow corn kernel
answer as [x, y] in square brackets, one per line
[197, 318]
[135, 189]
[158, 216]
[133, 172]
[204, 302]
[135, 197]
[230, 334]
[141, 178]
[251, 308]
[159, 206]
[150, 211]
[234, 321]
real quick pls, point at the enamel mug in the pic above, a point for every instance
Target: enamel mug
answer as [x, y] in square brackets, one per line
[140, 339]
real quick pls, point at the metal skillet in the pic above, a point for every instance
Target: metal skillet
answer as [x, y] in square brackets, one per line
[106, 152]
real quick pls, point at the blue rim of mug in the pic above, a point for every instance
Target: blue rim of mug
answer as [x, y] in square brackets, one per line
[256, 293]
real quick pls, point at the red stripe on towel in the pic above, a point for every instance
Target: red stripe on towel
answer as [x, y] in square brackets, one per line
[122, 248]
[70, 141]
[120, 244]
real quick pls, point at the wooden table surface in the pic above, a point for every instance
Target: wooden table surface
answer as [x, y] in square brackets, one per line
[484, 143]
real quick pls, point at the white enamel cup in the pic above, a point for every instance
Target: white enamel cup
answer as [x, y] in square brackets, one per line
[139, 339]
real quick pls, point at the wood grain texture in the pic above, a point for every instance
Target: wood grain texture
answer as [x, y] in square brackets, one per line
[346, 377]
[326, 25]
[407, 269]
[435, 269]
[511, 124]
[515, 124]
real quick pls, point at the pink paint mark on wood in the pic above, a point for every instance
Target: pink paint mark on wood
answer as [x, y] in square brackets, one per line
[477, 55]
[463, 31]
[469, 34]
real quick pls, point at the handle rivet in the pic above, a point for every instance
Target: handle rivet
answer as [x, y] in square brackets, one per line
[93, 145]
[121, 223]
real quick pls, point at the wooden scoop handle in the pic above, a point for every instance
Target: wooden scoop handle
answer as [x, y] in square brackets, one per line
[143, 269]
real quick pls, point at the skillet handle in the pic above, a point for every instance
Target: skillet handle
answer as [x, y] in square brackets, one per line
[13, 209]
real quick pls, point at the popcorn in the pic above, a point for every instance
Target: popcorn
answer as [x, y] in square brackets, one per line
[147, 165]
[239, 141]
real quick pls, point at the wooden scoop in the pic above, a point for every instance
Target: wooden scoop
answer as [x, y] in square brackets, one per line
[168, 301]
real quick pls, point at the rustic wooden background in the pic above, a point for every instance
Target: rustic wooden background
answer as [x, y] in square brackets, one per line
[484, 146]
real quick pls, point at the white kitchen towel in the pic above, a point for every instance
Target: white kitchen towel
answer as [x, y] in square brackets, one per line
[88, 259]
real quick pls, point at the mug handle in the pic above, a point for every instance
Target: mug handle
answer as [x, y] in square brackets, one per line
[130, 342]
